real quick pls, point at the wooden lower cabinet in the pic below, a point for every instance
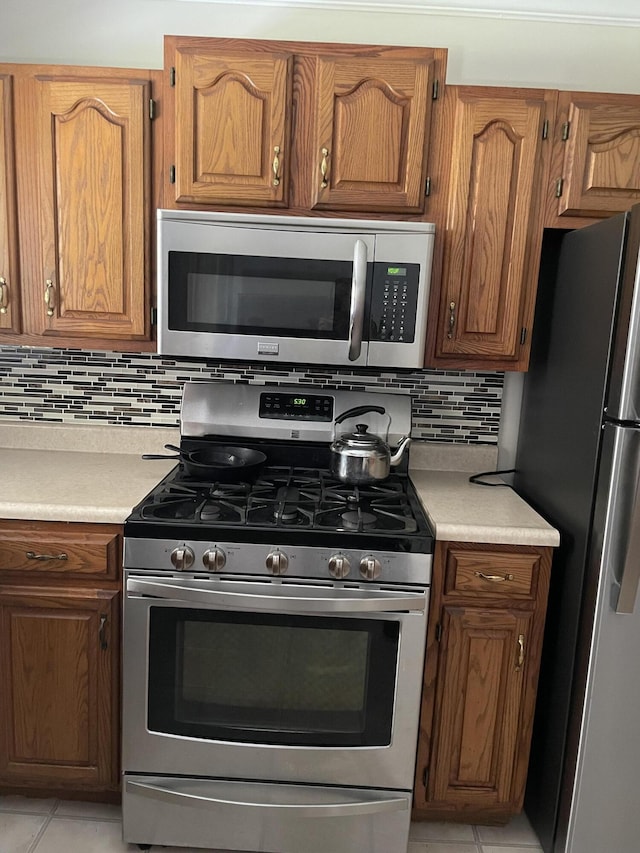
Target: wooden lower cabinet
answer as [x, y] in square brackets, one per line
[59, 658]
[483, 656]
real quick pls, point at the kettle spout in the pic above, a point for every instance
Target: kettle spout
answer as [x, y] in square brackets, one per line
[397, 455]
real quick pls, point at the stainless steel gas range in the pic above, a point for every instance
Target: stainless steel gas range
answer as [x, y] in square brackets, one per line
[274, 633]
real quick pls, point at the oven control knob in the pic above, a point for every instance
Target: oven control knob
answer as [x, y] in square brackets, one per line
[277, 562]
[214, 559]
[182, 558]
[370, 568]
[339, 566]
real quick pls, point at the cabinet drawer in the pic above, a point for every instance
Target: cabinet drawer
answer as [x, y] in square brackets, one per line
[491, 573]
[53, 549]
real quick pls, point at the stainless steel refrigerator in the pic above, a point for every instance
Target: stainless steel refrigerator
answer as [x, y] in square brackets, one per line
[578, 463]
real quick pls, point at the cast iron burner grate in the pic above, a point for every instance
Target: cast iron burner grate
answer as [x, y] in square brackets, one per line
[283, 497]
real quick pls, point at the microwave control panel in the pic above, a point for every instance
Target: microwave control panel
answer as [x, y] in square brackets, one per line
[394, 302]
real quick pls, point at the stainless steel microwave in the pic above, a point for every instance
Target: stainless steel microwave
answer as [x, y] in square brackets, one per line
[293, 289]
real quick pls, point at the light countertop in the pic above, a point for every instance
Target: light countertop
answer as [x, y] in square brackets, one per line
[461, 511]
[87, 474]
[51, 472]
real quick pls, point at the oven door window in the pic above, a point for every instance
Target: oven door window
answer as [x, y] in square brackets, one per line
[261, 678]
[278, 297]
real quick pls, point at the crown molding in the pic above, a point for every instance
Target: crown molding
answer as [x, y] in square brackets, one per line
[618, 13]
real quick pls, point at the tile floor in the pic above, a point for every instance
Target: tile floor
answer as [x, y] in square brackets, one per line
[57, 826]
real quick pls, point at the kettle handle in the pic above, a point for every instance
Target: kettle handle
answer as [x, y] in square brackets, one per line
[359, 410]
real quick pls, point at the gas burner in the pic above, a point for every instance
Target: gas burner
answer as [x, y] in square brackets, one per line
[371, 516]
[287, 509]
[210, 511]
[273, 481]
[288, 498]
[355, 519]
[171, 508]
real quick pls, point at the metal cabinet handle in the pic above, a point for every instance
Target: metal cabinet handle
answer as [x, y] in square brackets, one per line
[494, 578]
[324, 168]
[452, 318]
[31, 555]
[276, 166]
[50, 297]
[4, 296]
[520, 652]
[102, 632]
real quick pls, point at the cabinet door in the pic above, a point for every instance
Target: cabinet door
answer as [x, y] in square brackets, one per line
[86, 191]
[596, 164]
[477, 725]
[232, 126]
[9, 304]
[372, 128]
[59, 654]
[491, 160]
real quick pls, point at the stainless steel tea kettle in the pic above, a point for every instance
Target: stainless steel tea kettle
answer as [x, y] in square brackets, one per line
[361, 457]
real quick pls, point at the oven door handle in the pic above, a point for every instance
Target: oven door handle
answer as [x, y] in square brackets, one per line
[171, 793]
[358, 293]
[384, 601]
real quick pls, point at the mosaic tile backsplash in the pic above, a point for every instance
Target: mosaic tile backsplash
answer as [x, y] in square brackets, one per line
[80, 386]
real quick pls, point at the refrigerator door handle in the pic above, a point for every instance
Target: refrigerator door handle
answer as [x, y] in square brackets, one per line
[628, 588]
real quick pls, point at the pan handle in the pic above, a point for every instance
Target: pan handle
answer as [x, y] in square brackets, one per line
[159, 456]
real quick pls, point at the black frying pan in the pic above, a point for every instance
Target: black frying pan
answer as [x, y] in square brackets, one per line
[221, 462]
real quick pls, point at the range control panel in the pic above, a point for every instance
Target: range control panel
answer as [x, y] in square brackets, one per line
[302, 406]
[394, 302]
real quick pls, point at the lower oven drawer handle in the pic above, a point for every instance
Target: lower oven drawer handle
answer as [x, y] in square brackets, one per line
[335, 809]
[382, 602]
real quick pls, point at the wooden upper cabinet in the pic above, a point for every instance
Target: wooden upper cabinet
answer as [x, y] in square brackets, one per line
[491, 162]
[371, 132]
[596, 161]
[9, 294]
[232, 126]
[306, 126]
[83, 167]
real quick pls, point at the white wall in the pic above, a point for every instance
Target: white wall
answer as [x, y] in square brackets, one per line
[489, 51]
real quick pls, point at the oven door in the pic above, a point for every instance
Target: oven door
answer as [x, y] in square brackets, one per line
[255, 292]
[277, 681]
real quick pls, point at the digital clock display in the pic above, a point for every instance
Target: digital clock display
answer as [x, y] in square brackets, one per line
[397, 271]
[311, 407]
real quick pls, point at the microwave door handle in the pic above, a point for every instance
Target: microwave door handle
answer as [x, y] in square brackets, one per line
[358, 293]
